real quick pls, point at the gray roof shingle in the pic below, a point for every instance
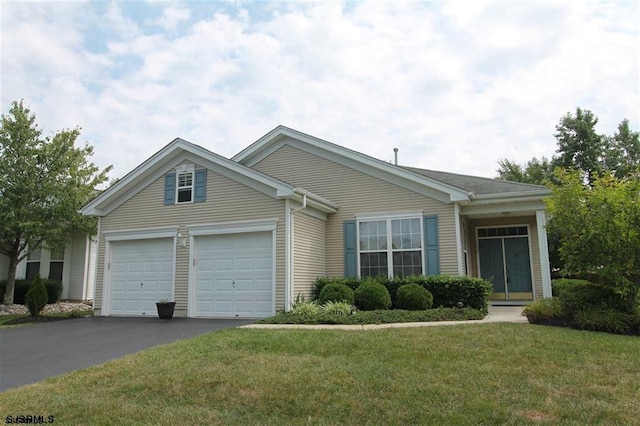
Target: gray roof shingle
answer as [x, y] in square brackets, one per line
[478, 185]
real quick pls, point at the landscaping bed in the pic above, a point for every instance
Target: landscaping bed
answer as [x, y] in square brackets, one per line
[381, 316]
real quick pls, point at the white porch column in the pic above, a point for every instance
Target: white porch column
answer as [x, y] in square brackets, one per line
[456, 218]
[543, 246]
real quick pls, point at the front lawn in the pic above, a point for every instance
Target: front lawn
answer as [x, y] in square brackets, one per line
[464, 374]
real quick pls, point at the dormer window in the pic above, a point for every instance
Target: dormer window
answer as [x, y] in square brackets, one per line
[185, 187]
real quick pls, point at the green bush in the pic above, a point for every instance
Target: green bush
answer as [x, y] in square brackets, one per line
[597, 318]
[576, 297]
[372, 295]
[336, 292]
[453, 291]
[545, 311]
[54, 290]
[447, 290]
[36, 297]
[560, 283]
[413, 297]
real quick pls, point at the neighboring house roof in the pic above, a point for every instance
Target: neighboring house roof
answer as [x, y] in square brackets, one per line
[180, 150]
[481, 186]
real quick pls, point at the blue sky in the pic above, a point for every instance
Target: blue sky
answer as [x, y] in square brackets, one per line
[454, 85]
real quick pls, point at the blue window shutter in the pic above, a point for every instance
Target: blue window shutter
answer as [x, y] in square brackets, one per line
[200, 187]
[350, 261]
[432, 250]
[170, 189]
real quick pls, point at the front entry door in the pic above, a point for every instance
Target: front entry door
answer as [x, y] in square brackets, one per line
[504, 260]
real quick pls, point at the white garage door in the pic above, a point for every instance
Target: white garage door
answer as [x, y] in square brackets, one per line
[234, 275]
[141, 275]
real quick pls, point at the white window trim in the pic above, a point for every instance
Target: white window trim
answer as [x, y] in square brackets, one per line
[190, 187]
[389, 250]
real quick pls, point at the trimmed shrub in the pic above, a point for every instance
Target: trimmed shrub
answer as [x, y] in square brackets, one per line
[371, 295]
[576, 297]
[335, 292]
[54, 290]
[413, 297]
[605, 319]
[36, 297]
[450, 291]
[560, 283]
[545, 311]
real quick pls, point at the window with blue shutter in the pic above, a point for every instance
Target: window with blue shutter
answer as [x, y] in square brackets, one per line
[350, 245]
[432, 251]
[170, 188]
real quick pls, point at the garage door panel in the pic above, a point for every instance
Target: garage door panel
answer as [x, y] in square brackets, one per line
[242, 274]
[141, 275]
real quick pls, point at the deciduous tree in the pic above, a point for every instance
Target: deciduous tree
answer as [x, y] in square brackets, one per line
[43, 183]
[599, 228]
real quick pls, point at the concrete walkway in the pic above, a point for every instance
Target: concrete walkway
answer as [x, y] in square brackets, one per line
[496, 314]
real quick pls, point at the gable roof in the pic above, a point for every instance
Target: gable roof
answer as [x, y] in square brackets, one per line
[454, 187]
[400, 176]
[481, 186]
[180, 150]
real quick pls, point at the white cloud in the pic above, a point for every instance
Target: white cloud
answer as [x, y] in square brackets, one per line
[455, 85]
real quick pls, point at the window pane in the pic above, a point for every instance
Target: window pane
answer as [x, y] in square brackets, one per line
[35, 255]
[184, 195]
[33, 269]
[373, 264]
[407, 263]
[408, 233]
[55, 271]
[57, 255]
[482, 232]
[185, 179]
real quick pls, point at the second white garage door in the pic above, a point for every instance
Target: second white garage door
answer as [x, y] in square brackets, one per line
[234, 275]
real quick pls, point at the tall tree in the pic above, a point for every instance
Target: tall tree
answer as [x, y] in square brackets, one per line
[623, 155]
[43, 184]
[599, 228]
[579, 146]
[535, 171]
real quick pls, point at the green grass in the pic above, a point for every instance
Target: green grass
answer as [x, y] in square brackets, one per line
[464, 374]
[381, 316]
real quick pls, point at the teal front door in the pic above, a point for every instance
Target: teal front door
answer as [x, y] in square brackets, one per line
[505, 262]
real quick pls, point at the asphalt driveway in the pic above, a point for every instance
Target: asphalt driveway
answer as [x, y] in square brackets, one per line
[29, 354]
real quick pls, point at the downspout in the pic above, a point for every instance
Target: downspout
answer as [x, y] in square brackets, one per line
[290, 283]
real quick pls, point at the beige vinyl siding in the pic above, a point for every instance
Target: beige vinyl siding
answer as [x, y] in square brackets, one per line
[533, 245]
[77, 267]
[226, 201]
[308, 253]
[357, 193]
